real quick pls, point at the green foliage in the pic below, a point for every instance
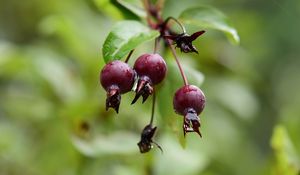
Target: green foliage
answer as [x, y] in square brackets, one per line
[135, 6]
[287, 161]
[125, 36]
[210, 18]
[107, 7]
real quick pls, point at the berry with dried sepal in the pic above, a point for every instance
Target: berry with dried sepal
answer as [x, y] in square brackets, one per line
[116, 78]
[151, 69]
[189, 101]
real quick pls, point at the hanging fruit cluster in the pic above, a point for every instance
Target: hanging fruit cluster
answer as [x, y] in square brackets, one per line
[150, 69]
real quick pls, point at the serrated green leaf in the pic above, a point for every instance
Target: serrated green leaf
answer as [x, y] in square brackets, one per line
[125, 36]
[209, 17]
[135, 6]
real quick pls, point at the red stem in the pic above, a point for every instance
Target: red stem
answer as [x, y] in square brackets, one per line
[164, 31]
[185, 81]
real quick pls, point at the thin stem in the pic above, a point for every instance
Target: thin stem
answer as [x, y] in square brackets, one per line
[146, 4]
[185, 81]
[156, 44]
[179, 23]
[160, 4]
[153, 13]
[128, 56]
[164, 32]
[153, 108]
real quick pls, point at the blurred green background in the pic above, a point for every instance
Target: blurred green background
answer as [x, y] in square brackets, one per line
[52, 113]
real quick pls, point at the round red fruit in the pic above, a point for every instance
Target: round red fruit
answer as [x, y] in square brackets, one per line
[188, 98]
[119, 74]
[151, 65]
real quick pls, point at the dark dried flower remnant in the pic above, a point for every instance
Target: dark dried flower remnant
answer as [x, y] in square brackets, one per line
[191, 123]
[145, 144]
[184, 41]
[113, 99]
[144, 89]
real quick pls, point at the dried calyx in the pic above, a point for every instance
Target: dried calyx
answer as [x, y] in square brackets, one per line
[145, 145]
[113, 99]
[144, 89]
[191, 122]
[184, 41]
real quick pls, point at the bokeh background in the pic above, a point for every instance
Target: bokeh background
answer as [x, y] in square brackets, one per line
[52, 113]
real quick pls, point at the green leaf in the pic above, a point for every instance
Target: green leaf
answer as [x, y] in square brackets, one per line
[134, 6]
[211, 18]
[108, 8]
[287, 161]
[125, 36]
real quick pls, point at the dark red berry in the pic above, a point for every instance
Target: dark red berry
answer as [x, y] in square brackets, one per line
[116, 78]
[189, 96]
[151, 69]
[189, 101]
[152, 66]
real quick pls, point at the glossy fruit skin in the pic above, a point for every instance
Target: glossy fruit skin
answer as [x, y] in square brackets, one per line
[152, 66]
[151, 70]
[117, 74]
[188, 98]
